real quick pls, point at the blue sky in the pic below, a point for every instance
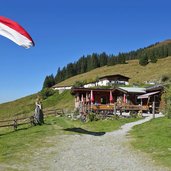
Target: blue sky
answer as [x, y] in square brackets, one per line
[64, 30]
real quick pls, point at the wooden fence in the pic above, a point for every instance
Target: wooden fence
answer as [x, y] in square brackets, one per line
[15, 122]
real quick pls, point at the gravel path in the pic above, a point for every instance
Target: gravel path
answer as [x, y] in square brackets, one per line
[110, 152]
[85, 152]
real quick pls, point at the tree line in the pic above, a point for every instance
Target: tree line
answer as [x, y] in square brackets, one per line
[87, 63]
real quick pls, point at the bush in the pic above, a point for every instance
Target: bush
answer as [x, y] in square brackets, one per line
[168, 101]
[143, 60]
[79, 84]
[133, 114]
[165, 78]
[46, 92]
[113, 117]
[92, 117]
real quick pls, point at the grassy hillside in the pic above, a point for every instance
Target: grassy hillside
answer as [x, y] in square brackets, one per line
[62, 101]
[20, 106]
[25, 106]
[166, 42]
[137, 73]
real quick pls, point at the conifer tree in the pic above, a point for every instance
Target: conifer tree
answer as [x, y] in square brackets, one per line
[103, 59]
[121, 58]
[152, 57]
[143, 60]
[58, 77]
[49, 81]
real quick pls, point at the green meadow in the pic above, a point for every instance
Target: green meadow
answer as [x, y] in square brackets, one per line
[154, 138]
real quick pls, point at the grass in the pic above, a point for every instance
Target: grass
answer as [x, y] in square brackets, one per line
[25, 141]
[20, 106]
[154, 137]
[62, 101]
[107, 125]
[137, 73]
[25, 106]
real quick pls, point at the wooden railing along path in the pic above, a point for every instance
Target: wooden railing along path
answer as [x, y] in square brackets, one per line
[15, 122]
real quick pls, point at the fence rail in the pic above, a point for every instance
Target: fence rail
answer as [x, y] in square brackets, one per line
[15, 122]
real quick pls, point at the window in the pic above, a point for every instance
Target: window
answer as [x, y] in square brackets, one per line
[103, 100]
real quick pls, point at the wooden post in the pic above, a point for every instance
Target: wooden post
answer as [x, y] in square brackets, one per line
[153, 108]
[141, 102]
[88, 107]
[114, 110]
[32, 120]
[15, 124]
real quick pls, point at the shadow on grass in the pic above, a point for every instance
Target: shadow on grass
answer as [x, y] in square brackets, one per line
[83, 131]
[13, 131]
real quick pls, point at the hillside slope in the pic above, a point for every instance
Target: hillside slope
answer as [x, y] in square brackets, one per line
[137, 73]
[88, 63]
[26, 105]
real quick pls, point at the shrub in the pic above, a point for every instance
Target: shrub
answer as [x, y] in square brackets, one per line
[79, 84]
[143, 60]
[46, 92]
[92, 117]
[168, 101]
[165, 78]
[133, 114]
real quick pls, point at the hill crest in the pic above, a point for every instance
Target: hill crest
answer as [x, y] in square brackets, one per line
[87, 63]
[137, 73]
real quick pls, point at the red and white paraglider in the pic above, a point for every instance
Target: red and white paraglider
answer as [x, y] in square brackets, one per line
[15, 32]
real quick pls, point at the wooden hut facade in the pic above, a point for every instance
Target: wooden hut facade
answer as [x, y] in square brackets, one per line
[127, 98]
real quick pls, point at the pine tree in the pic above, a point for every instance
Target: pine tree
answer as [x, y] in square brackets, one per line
[49, 81]
[81, 65]
[58, 76]
[89, 66]
[94, 61]
[103, 59]
[121, 58]
[165, 51]
[70, 70]
[112, 60]
[152, 57]
[143, 60]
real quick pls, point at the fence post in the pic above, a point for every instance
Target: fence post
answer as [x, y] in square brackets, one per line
[15, 124]
[62, 111]
[32, 120]
[153, 110]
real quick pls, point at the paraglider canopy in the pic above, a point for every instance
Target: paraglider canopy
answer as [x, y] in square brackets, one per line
[15, 32]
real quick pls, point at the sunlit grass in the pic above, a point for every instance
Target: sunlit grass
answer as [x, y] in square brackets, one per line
[25, 106]
[154, 137]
